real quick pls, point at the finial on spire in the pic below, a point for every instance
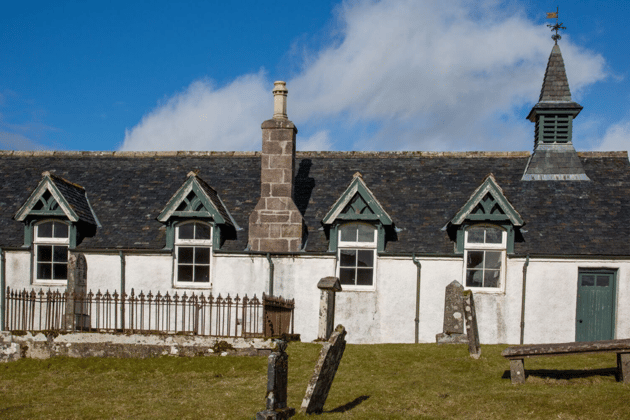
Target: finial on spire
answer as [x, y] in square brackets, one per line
[557, 26]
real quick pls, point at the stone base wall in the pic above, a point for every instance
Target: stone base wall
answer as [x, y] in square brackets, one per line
[43, 346]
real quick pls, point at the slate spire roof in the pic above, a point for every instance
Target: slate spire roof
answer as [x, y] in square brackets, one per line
[555, 92]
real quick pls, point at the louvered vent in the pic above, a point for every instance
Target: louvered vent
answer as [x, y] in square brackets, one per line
[553, 129]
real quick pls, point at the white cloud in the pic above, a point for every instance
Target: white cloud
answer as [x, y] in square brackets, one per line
[423, 75]
[318, 141]
[206, 118]
[16, 141]
[617, 137]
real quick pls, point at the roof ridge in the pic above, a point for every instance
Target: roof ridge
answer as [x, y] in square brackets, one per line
[345, 154]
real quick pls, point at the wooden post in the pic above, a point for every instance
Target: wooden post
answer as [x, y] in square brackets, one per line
[623, 366]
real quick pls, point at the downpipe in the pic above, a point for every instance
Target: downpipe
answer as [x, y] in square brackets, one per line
[523, 298]
[418, 278]
[271, 268]
[3, 290]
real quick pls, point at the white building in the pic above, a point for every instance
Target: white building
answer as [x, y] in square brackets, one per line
[541, 238]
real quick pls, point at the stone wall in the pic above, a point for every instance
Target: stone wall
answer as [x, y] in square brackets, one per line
[44, 346]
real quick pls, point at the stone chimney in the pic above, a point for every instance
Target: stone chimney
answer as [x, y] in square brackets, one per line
[276, 224]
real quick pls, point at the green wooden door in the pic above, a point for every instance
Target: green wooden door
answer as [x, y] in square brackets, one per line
[595, 306]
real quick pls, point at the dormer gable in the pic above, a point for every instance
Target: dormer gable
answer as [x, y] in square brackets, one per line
[486, 205]
[357, 202]
[57, 197]
[195, 199]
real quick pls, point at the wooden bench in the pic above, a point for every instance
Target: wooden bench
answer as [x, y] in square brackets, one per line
[518, 354]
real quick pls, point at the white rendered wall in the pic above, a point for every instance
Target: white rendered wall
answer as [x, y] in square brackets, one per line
[387, 313]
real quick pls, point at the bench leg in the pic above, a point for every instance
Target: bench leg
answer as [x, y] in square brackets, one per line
[517, 371]
[623, 367]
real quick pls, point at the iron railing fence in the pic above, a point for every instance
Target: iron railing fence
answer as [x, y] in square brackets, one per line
[194, 314]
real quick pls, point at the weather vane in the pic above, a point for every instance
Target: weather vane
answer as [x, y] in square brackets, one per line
[557, 26]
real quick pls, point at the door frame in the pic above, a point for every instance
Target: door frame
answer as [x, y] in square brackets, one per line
[599, 270]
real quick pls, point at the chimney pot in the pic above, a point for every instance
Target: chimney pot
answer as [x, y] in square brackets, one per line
[280, 100]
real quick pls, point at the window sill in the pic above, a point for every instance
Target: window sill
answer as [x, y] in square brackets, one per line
[193, 285]
[50, 283]
[353, 288]
[486, 290]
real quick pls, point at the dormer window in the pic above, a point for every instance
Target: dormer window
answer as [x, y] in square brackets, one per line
[193, 252]
[51, 241]
[484, 256]
[358, 226]
[357, 254]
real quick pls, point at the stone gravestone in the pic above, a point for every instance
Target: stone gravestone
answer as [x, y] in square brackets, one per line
[325, 370]
[76, 315]
[471, 325]
[453, 331]
[329, 286]
[277, 379]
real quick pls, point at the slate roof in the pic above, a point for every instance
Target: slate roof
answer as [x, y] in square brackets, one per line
[75, 195]
[420, 191]
[214, 197]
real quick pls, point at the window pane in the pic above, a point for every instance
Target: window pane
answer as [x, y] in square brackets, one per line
[347, 258]
[365, 258]
[61, 230]
[494, 236]
[364, 276]
[184, 272]
[187, 231]
[202, 231]
[202, 255]
[60, 271]
[493, 259]
[474, 278]
[349, 233]
[45, 230]
[491, 278]
[185, 255]
[474, 259]
[475, 236]
[60, 254]
[588, 280]
[44, 271]
[603, 281]
[44, 253]
[202, 273]
[346, 275]
[366, 233]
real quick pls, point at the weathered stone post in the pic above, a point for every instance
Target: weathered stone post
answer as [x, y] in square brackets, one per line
[76, 291]
[277, 381]
[453, 330]
[325, 370]
[329, 286]
[471, 325]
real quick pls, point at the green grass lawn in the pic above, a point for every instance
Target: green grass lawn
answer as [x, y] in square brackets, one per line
[373, 382]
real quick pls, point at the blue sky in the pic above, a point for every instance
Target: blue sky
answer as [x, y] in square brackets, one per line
[362, 75]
